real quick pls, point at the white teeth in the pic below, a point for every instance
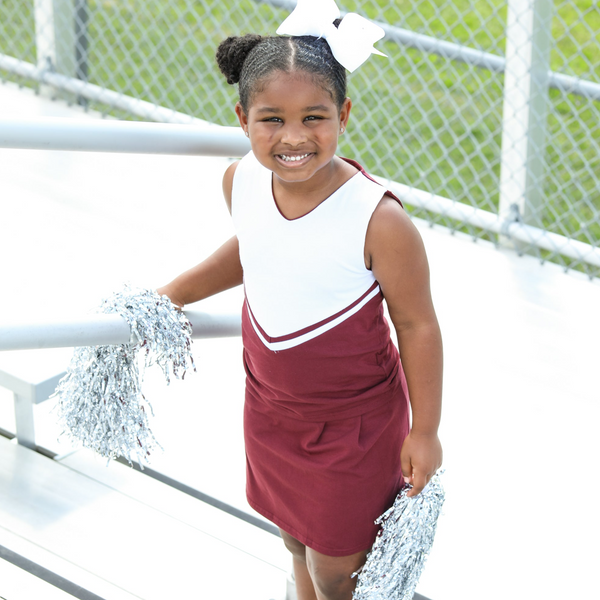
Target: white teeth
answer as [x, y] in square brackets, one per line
[293, 158]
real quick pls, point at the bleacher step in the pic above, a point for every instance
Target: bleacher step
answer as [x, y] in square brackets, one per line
[121, 535]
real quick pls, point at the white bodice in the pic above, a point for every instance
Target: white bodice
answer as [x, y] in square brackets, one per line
[299, 273]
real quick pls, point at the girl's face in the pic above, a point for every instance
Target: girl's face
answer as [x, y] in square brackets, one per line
[294, 127]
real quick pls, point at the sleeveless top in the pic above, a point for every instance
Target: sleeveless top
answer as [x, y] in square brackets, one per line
[316, 343]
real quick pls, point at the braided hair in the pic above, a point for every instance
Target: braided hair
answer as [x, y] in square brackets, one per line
[250, 59]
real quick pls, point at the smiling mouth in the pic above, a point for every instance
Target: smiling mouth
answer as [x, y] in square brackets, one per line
[296, 158]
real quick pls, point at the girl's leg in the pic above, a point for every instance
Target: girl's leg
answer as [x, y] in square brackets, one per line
[304, 585]
[332, 576]
[321, 577]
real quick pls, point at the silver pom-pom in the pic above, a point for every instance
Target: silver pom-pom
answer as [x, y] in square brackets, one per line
[395, 563]
[100, 401]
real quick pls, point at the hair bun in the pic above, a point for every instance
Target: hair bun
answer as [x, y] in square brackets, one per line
[232, 53]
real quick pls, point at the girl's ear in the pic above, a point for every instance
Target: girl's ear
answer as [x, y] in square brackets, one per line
[345, 112]
[242, 116]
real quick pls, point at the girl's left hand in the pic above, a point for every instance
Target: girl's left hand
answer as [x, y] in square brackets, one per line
[421, 457]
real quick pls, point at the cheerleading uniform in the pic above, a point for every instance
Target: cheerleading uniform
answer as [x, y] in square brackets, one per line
[326, 407]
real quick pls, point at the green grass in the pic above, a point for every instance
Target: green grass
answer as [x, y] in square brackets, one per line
[417, 118]
[17, 34]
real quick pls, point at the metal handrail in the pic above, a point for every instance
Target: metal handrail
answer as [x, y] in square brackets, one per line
[96, 135]
[104, 329]
[511, 228]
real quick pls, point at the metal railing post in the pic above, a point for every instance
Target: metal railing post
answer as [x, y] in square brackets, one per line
[526, 79]
[24, 420]
[55, 39]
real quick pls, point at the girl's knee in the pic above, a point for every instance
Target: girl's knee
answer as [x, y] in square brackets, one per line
[297, 548]
[332, 576]
[334, 586]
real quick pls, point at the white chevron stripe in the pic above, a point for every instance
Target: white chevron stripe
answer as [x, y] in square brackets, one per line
[276, 346]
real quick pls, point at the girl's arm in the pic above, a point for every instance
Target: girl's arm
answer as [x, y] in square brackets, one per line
[219, 272]
[394, 251]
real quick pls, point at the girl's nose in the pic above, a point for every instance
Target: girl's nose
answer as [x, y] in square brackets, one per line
[292, 134]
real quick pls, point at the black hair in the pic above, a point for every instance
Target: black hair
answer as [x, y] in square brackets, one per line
[249, 59]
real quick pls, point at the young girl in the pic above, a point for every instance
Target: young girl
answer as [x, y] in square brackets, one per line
[318, 247]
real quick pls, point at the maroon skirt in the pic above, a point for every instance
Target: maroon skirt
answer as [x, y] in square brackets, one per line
[324, 424]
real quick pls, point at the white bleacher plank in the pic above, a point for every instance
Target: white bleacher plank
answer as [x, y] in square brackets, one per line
[137, 548]
[16, 584]
[202, 516]
[58, 568]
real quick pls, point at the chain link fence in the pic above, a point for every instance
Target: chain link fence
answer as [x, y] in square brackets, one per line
[488, 110]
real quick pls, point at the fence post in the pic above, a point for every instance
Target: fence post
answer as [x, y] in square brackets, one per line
[55, 39]
[526, 78]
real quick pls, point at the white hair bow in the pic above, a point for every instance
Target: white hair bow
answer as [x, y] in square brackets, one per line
[351, 43]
